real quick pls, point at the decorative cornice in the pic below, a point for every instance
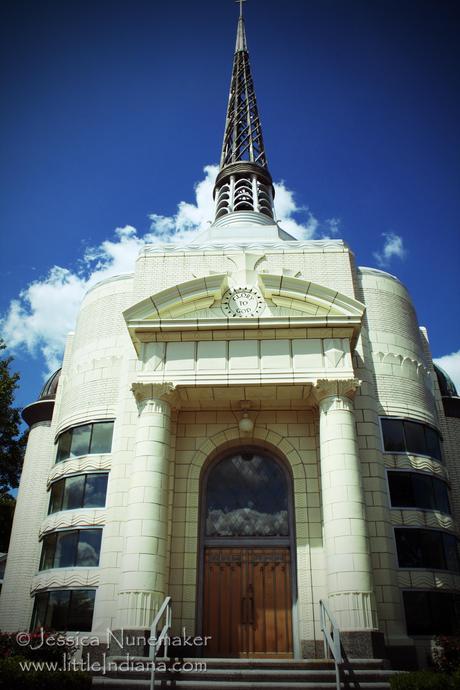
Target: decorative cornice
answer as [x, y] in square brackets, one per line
[402, 461]
[62, 578]
[219, 248]
[86, 463]
[428, 579]
[73, 518]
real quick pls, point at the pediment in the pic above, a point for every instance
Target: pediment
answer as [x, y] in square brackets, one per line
[197, 305]
[190, 296]
[308, 297]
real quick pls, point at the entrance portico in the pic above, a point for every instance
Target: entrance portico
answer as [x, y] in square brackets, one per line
[290, 371]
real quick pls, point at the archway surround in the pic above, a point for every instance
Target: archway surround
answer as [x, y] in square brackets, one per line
[247, 578]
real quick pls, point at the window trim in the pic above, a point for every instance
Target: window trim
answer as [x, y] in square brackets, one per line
[423, 473]
[69, 529]
[70, 427]
[424, 568]
[76, 473]
[408, 452]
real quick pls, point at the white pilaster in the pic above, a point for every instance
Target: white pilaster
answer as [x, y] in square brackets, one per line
[349, 573]
[144, 567]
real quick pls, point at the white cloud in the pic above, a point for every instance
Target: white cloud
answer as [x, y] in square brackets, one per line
[191, 219]
[45, 311]
[286, 207]
[392, 247]
[451, 364]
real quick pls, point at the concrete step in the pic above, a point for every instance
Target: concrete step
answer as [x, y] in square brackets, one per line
[268, 664]
[254, 674]
[133, 684]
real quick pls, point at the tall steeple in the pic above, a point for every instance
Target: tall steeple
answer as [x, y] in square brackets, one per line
[244, 182]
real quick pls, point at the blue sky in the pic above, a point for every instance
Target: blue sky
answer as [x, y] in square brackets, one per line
[112, 109]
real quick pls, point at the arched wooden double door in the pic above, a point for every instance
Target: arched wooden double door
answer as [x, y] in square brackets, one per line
[247, 568]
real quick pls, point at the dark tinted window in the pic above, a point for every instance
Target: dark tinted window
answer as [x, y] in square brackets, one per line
[79, 491]
[432, 613]
[66, 544]
[71, 548]
[101, 439]
[64, 610]
[81, 610]
[81, 437]
[58, 604]
[401, 489]
[393, 435]
[89, 547]
[95, 490]
[64, 442]
[432, 443]
[427, 548]
[247, 495]
[400, 435]
[48, 551]
[415, 437]
[57, 493]
[73, 492]
[414, 490]
[88, 438]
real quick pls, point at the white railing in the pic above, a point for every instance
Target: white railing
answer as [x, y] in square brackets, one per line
[331, 641]
[165, 611]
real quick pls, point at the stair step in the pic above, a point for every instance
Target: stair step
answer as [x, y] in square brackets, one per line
[313, 664]
[257, 675]
[205, 685]
[249, 674]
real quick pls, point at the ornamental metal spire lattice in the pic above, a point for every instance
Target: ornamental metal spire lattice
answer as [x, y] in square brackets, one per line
[244, 182]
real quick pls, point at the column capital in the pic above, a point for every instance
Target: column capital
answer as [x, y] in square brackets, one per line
[166, 392]
[335, 388]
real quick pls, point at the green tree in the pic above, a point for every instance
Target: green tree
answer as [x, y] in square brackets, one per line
[12, 441]
[12, 447]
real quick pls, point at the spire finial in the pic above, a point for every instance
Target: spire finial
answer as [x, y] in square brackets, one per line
[241, 6]
[244, 182]
[240, 34]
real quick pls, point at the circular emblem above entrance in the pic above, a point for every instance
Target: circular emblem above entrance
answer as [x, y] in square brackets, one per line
[243, 301]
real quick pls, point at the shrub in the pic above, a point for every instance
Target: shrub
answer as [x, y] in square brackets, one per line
[38, 648]
[446, 655]
[423, 680]
[12, 676]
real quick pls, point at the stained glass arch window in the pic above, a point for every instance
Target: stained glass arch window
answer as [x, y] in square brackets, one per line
[247, 495]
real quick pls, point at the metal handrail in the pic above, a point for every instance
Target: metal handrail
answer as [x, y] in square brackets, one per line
[156, 642]
[331, 642]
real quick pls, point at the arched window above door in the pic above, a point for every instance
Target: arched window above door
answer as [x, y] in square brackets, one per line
[246, 496]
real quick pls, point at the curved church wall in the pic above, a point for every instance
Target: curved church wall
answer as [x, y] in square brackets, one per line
[16, 603]
[402, 376]
[90, 383]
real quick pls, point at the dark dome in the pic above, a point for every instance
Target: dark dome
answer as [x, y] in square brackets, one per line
[50, 387]
[446, 385]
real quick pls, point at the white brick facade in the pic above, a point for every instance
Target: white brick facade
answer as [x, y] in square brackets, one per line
[333, 350]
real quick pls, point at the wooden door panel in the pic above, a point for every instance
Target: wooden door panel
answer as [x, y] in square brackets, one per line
[247, 602]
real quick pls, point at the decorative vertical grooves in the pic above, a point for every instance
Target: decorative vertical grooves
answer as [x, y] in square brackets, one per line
[354, 610]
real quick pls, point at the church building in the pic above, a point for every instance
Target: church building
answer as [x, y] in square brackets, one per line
[250, 424]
